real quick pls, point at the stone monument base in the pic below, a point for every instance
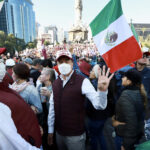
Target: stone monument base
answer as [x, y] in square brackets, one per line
[78, 34]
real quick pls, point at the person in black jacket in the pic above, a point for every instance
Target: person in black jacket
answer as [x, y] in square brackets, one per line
[35, 70]
[129, 115]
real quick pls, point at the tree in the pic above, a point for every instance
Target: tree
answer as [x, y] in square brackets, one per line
[11, 43]
[2, 38]
[46, 43]
[31, 45]
[35, 42]
[20, 44]
[147, 45]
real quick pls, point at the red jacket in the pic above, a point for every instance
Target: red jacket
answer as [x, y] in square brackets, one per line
[8, 76]
[22, 115]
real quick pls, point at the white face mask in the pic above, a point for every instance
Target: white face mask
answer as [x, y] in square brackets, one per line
[64, 68]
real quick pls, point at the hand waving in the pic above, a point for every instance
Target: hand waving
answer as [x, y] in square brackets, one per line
[103, 79]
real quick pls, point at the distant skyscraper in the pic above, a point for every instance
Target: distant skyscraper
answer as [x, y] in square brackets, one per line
[66, 35]
[37, 26]
[52, 30]
[60, 35]
[17, 17]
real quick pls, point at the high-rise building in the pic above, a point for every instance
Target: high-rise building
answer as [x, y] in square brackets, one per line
[60, 35]
[17, 17]
[142, 29]
[52, 30]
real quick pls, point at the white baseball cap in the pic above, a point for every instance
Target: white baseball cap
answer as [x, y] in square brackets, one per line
[63, 53]
[10, 62]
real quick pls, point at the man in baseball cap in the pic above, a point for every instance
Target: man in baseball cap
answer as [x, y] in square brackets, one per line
[10, 63]
[67, 103]
[65, 53]
[28, 61]
[59, 54]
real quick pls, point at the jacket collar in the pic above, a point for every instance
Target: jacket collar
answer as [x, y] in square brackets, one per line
[131, 87]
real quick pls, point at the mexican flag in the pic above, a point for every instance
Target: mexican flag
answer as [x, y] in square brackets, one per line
[114, 38]
[134, 32]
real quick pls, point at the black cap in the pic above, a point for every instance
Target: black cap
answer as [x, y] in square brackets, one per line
[134, 76]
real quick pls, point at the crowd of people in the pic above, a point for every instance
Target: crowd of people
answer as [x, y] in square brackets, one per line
[66, 99]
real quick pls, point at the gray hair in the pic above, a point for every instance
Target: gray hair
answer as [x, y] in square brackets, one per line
[51, 72]
[96, 69]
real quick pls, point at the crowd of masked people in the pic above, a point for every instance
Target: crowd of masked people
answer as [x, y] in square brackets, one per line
[67, 102]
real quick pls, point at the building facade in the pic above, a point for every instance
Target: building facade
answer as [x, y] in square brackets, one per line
[17, 17]
[142, 29]
[60, 35]
[52, 31]
[48, 37]
[37, 26]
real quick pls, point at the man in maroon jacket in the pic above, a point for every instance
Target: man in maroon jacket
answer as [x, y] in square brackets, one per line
[9, 67]
[67, 103]
[22, 115]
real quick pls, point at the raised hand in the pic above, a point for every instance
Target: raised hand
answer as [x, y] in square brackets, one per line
[103, 79]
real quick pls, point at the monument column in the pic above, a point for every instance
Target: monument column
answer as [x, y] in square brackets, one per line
[78, 31]
[78, 12]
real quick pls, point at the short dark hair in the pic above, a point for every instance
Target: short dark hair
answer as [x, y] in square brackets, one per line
[36, 61]
[134, 76]
[22, 71]
[47, 63]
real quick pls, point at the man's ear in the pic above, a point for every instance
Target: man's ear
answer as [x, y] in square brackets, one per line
[129, 82]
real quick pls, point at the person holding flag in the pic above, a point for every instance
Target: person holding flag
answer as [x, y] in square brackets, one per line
[43, 49]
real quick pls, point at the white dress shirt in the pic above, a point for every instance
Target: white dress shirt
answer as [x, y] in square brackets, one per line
[9, 138]
[97, 98]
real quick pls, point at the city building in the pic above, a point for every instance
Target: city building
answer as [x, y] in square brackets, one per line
[142, 29]
[60, 35]
[52, 31]
[17, 17]
[48, 37]
[66, 36]
[37, 26]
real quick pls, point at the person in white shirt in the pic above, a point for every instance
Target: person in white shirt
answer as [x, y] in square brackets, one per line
[9, 137]
[67, 103]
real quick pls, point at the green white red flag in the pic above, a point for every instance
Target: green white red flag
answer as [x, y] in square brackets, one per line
[114, 38]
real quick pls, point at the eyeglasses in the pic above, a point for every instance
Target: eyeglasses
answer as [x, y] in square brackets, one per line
[144, 56]
[142, 64]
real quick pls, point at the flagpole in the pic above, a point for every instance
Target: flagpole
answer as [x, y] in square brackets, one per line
[131, 22]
